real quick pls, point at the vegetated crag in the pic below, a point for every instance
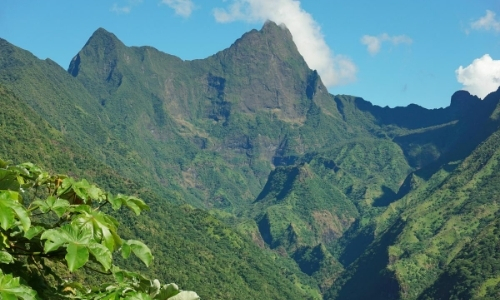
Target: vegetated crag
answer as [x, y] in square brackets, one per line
[338, 192]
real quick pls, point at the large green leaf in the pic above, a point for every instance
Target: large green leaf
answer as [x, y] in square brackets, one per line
[76, 256]
[54, 239]
[33, 170]
[79, 243]
[10, 288]
[22, 215]
[95, 193]
[172, 292]
[101, 254]
[80, 191]
[167, 291]
[102, 226]
[139, 249]
[7, 215]
[8, 180]
[10, 208]
[5, 257]
[58, 206]
[33, 231]
[185, 295]
[137, 296]
[133, 203]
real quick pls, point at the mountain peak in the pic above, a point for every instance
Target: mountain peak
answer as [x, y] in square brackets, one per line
[271, 38]
[102, 49]
[271, 27]
[463, 99]
[102, 37]
[272, 73]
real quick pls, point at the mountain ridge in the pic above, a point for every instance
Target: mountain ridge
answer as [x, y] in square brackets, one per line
[252, 135]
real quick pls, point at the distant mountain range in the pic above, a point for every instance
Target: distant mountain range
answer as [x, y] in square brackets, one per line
[264, 185]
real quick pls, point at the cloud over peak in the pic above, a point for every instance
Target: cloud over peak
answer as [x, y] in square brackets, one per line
[182, 8]
[487, 22]
[481, 77]
[374, 43]
[333, 69]
[125, 9]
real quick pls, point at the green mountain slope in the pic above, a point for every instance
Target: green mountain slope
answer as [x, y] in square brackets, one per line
[191, 246]
[443, 210]
[334, 192]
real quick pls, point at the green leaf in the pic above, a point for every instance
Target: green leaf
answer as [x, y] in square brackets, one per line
[101, 254]
[7, 216]
[126, 250]
[116, 295]
[58, 206]
[95, 193]
[6, 258]
[77, 256]
[10, 288]
[122, 276]
[34, 170]
[138, 296]
[78, 241]
[167, 291]
[64, 235]
[139, 249]
[81, 189]
[54, 239]
[102, 226]
[172, 292]
[69, 191]
[116, 202]
[10, 209]
[133, 203]
[22, 215]
[185, 295]
[33, 231]
[5, 163]
[41, 205]
[8, 180]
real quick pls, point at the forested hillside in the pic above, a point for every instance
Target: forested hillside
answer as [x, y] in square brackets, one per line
[261, 184]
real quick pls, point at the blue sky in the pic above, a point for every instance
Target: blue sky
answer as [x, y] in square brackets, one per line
[388, 52]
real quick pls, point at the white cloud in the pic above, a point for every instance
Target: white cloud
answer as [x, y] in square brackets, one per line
[120, 9]
[374, 43]
[334, 69]
[481, 77]
[488, 22]
[125, 9]
[181, 7]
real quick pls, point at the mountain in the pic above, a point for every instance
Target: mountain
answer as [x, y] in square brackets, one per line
[441, 210]
[249, 162]
[57, 134]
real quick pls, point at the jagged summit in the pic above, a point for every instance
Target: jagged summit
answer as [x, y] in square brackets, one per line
[271, 26]
[262, 70]
[274, 38]
[102, 45]
[460, 98]
[270, 72]
[102, 35]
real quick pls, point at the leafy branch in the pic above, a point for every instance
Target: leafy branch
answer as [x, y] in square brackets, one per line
[82, 233]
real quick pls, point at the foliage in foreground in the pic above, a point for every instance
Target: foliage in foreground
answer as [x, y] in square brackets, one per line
[69, 226]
